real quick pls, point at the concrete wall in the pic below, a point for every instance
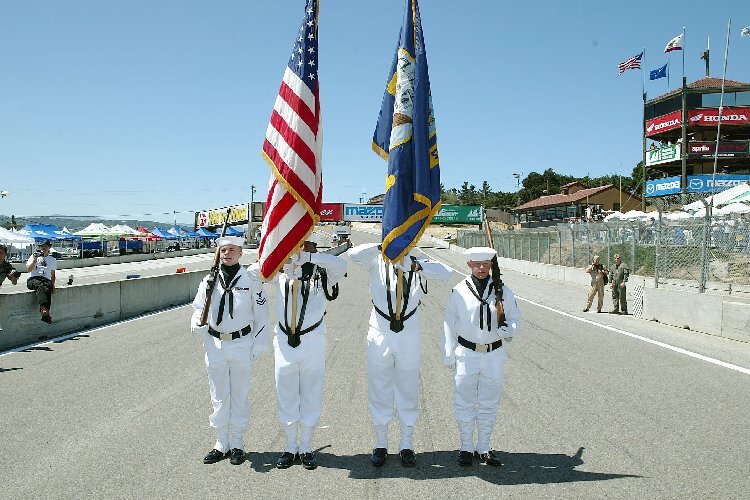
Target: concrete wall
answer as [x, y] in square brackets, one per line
[79, 307]
[722, 315]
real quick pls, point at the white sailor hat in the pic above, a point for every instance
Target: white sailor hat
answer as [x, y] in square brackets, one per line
[478, 254]
[230, 240]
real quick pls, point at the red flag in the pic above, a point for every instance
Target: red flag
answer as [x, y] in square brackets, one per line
[293, 151]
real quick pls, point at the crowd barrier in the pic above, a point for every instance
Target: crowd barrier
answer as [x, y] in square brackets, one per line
[80, 307]
[722, 315]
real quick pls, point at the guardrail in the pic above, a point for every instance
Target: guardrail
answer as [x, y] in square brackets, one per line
[80, 307]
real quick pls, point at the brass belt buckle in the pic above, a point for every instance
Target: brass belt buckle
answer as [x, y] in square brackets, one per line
[482, 348]
[225, 336]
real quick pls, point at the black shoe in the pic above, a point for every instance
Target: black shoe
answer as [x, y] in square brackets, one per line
[490, 458]
[408, 458]
[378, 457]
[285, 460]
[236, 456]
[465, 458]
[214, 456]
[586, 310]
[308, 460]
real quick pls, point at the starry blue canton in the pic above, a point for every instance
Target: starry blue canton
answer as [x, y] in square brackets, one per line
[304, 58]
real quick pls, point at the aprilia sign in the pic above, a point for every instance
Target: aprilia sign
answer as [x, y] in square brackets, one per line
[663, 123]
[710, 116]
[727, 149]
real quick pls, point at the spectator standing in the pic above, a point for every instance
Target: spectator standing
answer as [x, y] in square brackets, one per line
[598, 276]
[620, 276]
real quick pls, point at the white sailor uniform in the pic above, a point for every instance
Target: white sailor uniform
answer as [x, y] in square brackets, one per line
[475, 345]
[238, 333]
[393, 356]
[299, 370]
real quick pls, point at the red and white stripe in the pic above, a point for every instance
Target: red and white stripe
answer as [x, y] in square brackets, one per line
[292, 148]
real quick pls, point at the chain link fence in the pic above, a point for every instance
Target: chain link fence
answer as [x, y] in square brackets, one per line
[709, 255]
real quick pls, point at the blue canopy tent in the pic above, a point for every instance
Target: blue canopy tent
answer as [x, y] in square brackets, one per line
[183, 233]
[42, 232]
[165, 235]
[205, 233]
[231, 232]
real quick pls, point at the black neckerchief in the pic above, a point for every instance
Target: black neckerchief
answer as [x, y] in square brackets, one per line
[397, 325]
[228, 278]
[483, 304]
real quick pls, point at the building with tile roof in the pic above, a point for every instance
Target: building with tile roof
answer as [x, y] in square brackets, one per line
[575, 202]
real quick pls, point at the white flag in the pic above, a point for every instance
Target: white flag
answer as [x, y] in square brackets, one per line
[675, 43]
[745, 31]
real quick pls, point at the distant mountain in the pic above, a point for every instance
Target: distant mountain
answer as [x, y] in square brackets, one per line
[78, 222]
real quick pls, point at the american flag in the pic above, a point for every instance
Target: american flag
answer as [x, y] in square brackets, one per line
[293, 151]
[632, 63]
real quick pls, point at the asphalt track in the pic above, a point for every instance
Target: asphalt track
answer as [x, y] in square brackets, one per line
[595, 406]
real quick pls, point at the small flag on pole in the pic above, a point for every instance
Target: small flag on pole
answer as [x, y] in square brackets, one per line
[675, 43]
[658, 73]
[405, 137]
[292, 149]
[745, 31]
[632, 63]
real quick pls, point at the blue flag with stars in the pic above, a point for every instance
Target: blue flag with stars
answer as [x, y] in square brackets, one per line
[405, 137]
[658, 73]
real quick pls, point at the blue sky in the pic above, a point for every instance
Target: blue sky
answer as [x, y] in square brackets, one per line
[143, 108]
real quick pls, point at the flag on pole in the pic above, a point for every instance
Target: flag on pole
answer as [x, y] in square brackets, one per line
[658, 73]
[405, 137]
[675, 43]
[632, 63]
[292, 148]
[745, 31]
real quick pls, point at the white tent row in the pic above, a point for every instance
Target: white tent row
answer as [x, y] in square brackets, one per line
[13, 238]
[99, 229]
[719, 198]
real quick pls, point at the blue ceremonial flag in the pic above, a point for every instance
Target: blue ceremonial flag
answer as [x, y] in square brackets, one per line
[658, 73]
[405, 137]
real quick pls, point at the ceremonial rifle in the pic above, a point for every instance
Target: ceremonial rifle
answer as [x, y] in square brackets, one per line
[213, 273]
[496, 281]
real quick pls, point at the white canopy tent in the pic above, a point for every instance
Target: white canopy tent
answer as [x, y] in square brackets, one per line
[677, 216]
[124, 229]
[719, 198]
[614, 215]
[94, 229]
[633, 214]
[735, 208]
[13, 238]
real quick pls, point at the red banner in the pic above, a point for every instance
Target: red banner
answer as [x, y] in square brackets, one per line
[727, 149]
[331, 212]
[710, 116]
[663, 123]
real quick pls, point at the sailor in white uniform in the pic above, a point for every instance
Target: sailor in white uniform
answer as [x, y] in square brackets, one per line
[236, 334]
[393, 344]
[300, 346]
[475, 349]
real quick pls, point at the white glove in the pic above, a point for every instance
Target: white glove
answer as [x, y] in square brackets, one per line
[199, 330]
[304, 258]
[450, 364]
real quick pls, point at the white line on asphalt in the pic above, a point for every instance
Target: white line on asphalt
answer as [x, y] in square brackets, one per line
[695, 355]
[90, 330]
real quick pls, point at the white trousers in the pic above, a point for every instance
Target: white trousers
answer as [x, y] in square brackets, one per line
[393, 376]
[299, 373]
[479, 389]
[228, 366]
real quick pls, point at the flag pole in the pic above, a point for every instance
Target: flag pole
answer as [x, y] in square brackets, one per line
[683, 52]
[718, 123]
[643, 145]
